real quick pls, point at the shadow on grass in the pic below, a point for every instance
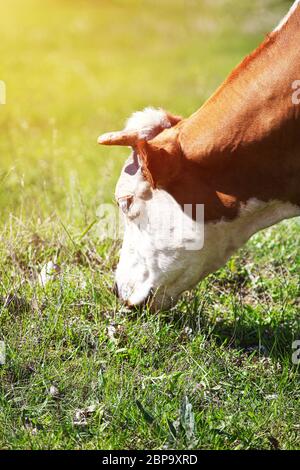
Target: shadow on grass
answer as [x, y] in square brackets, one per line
[242, 327]
[270, 340]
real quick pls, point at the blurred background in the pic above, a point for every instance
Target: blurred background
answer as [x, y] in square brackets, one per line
[80, 371]
[75, 69]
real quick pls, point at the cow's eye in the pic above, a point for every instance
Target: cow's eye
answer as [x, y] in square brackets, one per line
[125, 203]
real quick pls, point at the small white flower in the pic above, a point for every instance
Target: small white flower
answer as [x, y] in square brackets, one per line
[111, 331]
[48, 273]
[274, 396]
[53, 391]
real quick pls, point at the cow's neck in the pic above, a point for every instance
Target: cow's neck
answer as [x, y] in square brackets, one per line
[225, 237]
[244, 144]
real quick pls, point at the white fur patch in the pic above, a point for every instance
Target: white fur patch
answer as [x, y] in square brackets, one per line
[146, 122]
[287, 17]
[170, 269]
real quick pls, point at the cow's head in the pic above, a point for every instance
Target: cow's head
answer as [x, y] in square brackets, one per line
[159, 256]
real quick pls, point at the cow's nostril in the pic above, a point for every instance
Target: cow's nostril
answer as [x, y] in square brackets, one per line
[115, 289]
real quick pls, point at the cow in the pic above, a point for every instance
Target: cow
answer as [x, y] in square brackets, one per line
[238, 156]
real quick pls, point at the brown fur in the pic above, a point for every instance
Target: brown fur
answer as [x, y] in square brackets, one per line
[244, 142]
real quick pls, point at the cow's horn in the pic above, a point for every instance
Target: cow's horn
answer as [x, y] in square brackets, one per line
[127, 138]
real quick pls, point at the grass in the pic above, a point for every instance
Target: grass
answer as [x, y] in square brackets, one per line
[81, 371]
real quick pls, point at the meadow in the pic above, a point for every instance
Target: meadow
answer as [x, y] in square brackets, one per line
[82, 371]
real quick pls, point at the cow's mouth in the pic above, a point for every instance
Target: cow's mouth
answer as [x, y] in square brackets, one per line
[154, 300]
[143, 301]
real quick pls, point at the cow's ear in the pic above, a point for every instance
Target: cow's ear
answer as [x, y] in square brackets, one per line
[161, 158]
[173, 118]
[153, 135]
